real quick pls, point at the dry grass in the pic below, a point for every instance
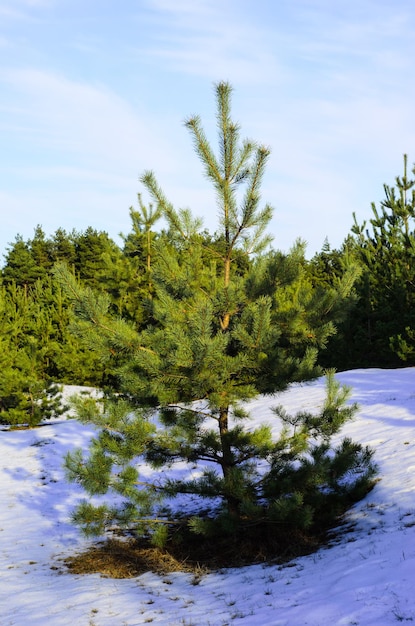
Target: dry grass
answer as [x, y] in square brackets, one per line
[117, 558]
[185, 551]
[128, 558]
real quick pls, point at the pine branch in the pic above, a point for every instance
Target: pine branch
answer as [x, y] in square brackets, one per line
[203, 149]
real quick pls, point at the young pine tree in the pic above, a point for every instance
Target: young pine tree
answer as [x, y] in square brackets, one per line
[381, 325]
[222, 331]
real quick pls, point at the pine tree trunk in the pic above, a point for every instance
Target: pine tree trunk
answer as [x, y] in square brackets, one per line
[227, 459]
[227, 456]
[224, 323]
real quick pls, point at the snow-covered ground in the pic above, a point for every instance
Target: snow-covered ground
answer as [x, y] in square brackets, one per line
[367, 577]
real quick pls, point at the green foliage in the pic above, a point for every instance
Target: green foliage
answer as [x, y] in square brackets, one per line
[124, 434]
[340, 270]
[297, 482]
[96, 260]
[89, 254]
[323, 479]
[160, 536]
[25, 400]
[228, 320]
[27, 395]
[39, 349]
[21, 266]
[334, 412]
[378, 330]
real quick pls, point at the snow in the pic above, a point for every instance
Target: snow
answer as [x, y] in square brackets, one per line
[364, 577]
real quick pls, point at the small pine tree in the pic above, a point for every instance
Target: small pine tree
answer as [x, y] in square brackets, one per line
[222, 332]
[380, 328]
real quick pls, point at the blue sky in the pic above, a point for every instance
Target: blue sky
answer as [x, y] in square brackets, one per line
[94, 92]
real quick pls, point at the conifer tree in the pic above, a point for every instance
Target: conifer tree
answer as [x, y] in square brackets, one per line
[380, 328]
[63, 247]
[20, 266]
[221, 333]
[327, 270]
[135, 264]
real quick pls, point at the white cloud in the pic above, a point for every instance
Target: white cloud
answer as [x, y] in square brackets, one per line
[211, 40]
[80, 149]
[75, 118]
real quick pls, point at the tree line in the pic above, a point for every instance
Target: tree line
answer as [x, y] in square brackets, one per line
[372, 327]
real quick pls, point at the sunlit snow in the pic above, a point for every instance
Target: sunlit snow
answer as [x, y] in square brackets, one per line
[365, 577]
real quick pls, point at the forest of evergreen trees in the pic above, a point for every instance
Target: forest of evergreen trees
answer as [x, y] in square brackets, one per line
[374, 325]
